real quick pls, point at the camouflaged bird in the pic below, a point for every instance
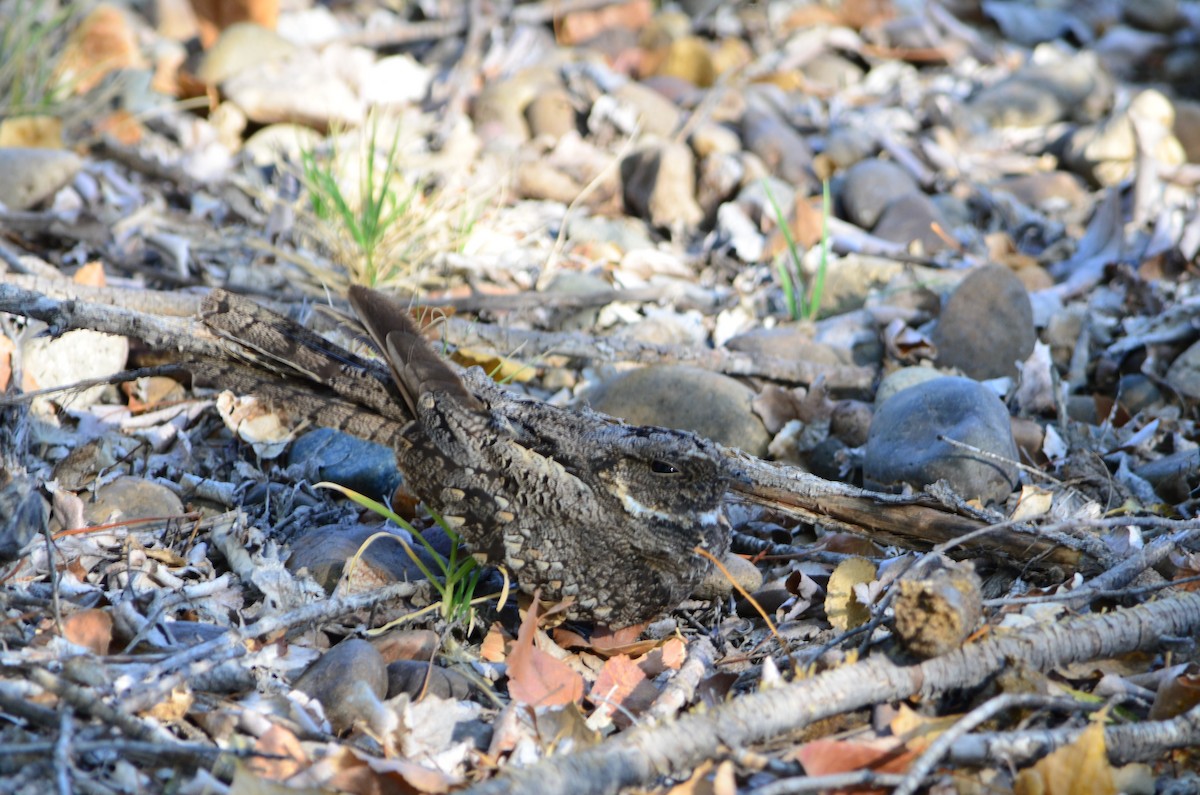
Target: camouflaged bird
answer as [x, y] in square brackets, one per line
[573, 502]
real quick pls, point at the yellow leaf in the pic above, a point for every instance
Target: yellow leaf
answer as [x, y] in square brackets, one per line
[1080, 768]
[499, 368]
[841, 605]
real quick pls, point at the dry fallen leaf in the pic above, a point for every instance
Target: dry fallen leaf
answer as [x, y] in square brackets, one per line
[536, 678]
[500, 368]
[841, 605]
[40, 132]
[256, 423]
[283, 755]
[622, 691]
[1080, 768]
[90, 628]
[882, 755]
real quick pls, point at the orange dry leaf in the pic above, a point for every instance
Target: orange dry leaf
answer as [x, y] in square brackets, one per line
[104, 42]
[283, 755]
[174, 707]
[825, 757]
[841, 605]
[622, 690]
[1080, 768]
[580, 26]
[91, 628]
[216, 15]
[492, 648]
[606, 642]
[669, 656]
[91, 274]
[1177, 695]
[534, 677]
[917, 730]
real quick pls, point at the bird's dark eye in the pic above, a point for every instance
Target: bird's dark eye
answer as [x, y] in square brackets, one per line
[663, 468]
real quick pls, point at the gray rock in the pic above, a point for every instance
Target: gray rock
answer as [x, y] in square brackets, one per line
[899, 380]
[30, 176]
[628, 234]
[1184, 373]
[717, 586]
[1138, 393]
[987, 325]
[903, 445]
[685, 398]
[789, 342]
[1174, 477]
[910, 219]
[418, 678]
[324, 551]
[1018, 102]
[656, 114]
[338, 674]
[718, 179]
[785, 151]
[851, 422]
[832, 71]
[575, 283]
[1156, 15]
[846, 145]
[128, 498]
[870, 185]
[365, 467]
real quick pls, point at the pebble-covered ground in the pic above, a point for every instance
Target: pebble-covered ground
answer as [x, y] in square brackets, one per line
[923, 269]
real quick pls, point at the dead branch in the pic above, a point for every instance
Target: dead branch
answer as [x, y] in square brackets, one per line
[641, 756]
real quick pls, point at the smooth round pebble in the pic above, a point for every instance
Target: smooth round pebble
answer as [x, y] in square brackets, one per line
[903, 445]
[417, 678]
[1184, 373]
[365, 467]
[869, 186]
[986, 326]
[686, 398]
[338, 674]
[324, 551]
[911, 218]
[128, 498]
[29, 176]
[716, 585]
[901, 379]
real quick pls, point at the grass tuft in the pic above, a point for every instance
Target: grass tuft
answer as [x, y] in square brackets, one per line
[802, 303]
[32, 36]
[459, 572]
[383, 225]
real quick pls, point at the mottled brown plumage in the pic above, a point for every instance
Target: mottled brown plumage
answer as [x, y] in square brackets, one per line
[575, 503]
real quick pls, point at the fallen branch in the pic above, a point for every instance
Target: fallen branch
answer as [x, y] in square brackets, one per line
[641, 756]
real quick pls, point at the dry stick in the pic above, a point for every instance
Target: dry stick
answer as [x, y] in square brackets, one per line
[88, 703]
[1126, 743]
[161, 678]
[1127, 570]
[928, 760]
[681, 688]
[59, 304]
[641, 756]
[62, 754]
[859, 779]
